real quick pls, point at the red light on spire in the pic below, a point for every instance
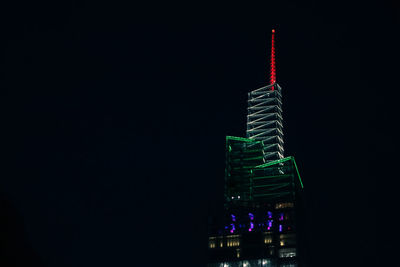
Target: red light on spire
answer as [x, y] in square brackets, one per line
[273, 70]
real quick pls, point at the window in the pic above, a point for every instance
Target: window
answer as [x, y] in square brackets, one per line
[248, 263]
[267, 238]
[287, 252]
[287, 239]
[265, 262]
[212, 242]
[284, 205]
[271, 250]
[232, 241]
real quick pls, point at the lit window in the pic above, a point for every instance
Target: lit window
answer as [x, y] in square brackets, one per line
[212, 242]
[238, 253]
[219, 241]
[289, 265]
[287, 252]
[284, 205]
[267, 238]
[271, 250]
[287, 239]
[265, 262]
[232, 240]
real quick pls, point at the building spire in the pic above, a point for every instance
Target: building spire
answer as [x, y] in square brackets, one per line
[273, 70]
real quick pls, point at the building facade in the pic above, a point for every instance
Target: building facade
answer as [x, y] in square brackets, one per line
[263, 206]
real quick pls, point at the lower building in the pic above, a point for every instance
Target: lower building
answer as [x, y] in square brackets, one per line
[263, 211]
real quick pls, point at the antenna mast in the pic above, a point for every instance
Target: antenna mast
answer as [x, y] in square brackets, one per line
[273, 70]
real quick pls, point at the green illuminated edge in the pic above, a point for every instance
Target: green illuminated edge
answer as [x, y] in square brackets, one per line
[280, 161]
[298, 174]
[268, 163]
[239, 139]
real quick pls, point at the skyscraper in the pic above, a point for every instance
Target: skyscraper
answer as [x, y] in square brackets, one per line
[262, 224]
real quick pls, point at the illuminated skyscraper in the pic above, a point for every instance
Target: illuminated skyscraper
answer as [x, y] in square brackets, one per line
[263, 191]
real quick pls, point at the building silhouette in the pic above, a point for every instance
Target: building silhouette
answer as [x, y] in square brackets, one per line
[263, 198]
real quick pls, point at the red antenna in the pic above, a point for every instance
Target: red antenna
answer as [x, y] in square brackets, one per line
[273, 70]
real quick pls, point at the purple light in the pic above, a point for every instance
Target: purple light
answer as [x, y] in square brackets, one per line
[251, 216]
[251, 226]
[281, 216]
[280, 228]
[233, 228]
[269, 214]
[233, 217]
[269, 224]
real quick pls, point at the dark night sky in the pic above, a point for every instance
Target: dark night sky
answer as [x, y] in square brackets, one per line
[115, 120]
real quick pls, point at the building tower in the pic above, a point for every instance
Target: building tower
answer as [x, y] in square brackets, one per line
[262, 224]
[264, 114]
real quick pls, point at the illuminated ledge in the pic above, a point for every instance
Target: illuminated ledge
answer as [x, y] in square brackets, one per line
[291, 158]
[240, 139]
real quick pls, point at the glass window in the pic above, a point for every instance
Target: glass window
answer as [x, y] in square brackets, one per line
[284, 205]
[267, 238]
[216, 242]
[232, 240]
[265, 263]
[287, 239]
[287, 252]
[212, 242]
[248, 263]
[271, 250]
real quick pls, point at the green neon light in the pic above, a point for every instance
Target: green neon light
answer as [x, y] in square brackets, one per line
[281, 161]
[271, 185]
[242, 167]
[253, 158]
[239, 139]
[272, 177]
[274, 162]
[249, 151]
[272, 194]
[298, 174]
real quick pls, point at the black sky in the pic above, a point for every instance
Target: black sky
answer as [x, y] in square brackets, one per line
[115, 119]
